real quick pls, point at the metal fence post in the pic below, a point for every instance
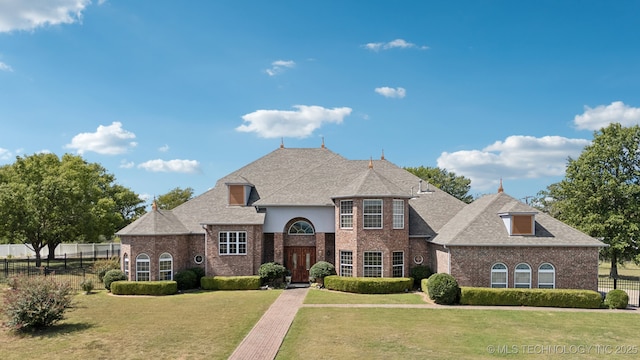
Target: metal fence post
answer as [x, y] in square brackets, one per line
[65, 261]
[615, 283]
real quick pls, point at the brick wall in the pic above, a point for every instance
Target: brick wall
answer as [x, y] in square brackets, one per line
[576, 267]
[233, 265]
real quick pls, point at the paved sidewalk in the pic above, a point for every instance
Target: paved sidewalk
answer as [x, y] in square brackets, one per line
[264, 340]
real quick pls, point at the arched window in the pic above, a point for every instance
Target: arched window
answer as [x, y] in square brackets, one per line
[499, 276]
[522, 276]
[143, 267]
[301, 227]
[546, 276]
[166, 267]
[125, 265]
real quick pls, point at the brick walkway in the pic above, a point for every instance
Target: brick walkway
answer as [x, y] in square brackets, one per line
[264, 340]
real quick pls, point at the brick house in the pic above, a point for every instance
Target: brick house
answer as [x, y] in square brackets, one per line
[367, 217]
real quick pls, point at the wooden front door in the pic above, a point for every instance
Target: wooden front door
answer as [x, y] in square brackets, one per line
[298, 260]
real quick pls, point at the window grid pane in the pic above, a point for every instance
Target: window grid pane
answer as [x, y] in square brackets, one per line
[346, 263]
[398, 264]
[522, 276]
[546, 276]
[346, 214]
[372, 214]
[398, 214]
[499, 276]
[232, 243]
[372, 264]
[142, 268]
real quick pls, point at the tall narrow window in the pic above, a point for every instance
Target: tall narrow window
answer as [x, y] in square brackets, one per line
[522, 276]
[346, 263]
[546, 276]
[346, 214]
[232, 243]
[166, 267]
[372, 265]
[398, 214]
[499, 276]
[125, 265]
[398, 264]
[143, 268]
[372, 214]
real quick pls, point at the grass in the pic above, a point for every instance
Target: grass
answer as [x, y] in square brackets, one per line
[383, 333]
[627, 269]
[316, 296]
[206, 325]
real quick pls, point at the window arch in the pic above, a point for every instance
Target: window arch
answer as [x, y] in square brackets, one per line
[522, 276]
[546, 276]
[499, 276]
[125, 265]
[143, 267]
[301, 227]
[166, 267]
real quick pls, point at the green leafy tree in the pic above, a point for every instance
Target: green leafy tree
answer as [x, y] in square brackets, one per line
[174, 198]
[46, 200]
[449, 182]
[600, 193]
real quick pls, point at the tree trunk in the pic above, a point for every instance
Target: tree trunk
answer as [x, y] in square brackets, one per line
[38, 258]
[52, 252]
[614, 266]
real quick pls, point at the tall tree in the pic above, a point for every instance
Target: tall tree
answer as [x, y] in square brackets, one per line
[45, 200]
[449, 182]
[600, 193]
[174, 198]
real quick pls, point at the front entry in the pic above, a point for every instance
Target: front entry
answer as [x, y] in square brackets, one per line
[298, 260]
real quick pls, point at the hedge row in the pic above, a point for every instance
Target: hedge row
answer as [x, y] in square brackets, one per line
[144, 287]
[362, 285]
[230, 282]
[567, 298]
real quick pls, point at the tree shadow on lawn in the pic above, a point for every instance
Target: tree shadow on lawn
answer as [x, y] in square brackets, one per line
[54, 330]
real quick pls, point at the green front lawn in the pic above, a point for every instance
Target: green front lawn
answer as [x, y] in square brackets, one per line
[316, 296]
[206, 325]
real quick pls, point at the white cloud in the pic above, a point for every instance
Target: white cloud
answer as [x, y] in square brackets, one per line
[279, 66]
[5, 67]
[391, 92]
[603, 115]
[164, 148]
[517, 157]
[395, 44]
[5, 154]
[299, 123]
[107, 140]
[179, 166]
[124, 164]
[32, 14]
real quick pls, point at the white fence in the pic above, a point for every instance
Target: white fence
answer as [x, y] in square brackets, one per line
[22, 251]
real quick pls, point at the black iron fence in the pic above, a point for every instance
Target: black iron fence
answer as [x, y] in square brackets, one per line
[630, 286]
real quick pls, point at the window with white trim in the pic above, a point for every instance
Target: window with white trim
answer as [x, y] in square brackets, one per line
[546, 276]
[499, 276]
[372, 214]
[301, 227]
[346, 263]
[125, 265]
[398, 214]
[232, 242]
[372, 264]
[398, 264]
[143, 266]
[522, 276]
[166, 267]
[346, 214]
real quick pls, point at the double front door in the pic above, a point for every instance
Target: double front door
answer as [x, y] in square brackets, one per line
[298, 260]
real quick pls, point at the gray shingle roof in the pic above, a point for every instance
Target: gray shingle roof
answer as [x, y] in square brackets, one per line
[156, 222]
[479, 224]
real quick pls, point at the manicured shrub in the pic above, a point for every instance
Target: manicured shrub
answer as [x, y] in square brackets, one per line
[272, 274]
[362, 285]
[156, 288]
[186, 280]
[101, 266]
[566, 298]
[424, 283]
[320, 270]
[35, 302]
[199, 273]
[87, 285]
[230, 282]
[616, 299]
[420, 272]
[111, 276]
[443, 289]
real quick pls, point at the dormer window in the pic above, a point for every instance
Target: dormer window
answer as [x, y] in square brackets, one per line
[239, 194]
[519, 223]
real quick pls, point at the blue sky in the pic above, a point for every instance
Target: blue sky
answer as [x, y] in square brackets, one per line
[169, 94]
